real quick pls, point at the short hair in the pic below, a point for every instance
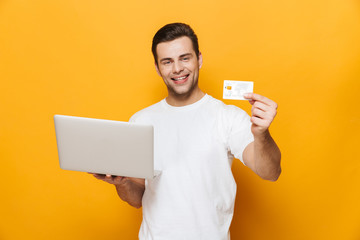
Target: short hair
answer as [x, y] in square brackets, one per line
[171, 32]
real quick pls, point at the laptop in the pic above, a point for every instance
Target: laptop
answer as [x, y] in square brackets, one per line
[105, 146]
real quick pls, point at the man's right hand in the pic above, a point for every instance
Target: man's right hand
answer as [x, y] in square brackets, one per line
[129, 189]
[118, 180]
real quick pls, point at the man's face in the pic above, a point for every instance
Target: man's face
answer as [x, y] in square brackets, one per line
[178, 66]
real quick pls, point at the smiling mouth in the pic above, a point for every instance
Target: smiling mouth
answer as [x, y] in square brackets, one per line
[181, 79]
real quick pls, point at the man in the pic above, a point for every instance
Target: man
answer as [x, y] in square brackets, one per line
[196, 139]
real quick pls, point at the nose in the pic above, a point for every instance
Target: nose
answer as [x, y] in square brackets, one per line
[177, 67]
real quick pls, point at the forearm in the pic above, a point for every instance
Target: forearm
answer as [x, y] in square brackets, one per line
[267, 157]
[132, 193]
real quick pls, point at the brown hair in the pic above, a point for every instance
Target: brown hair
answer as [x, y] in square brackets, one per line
[171, 32]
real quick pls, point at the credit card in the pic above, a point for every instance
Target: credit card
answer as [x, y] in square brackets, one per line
[236, 89]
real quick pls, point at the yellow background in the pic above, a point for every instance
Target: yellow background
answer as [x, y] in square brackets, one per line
[92, 59]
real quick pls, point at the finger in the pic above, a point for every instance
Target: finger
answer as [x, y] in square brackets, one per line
[268, 116]
[108, 178]
[261, 106]
[258, 97]
[248, 96]
[256, 112]
[99, 176]
[251, 102]
[269, 111]
[259, 122]
[118, 179]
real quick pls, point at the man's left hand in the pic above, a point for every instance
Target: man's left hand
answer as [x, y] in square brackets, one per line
[263, 112]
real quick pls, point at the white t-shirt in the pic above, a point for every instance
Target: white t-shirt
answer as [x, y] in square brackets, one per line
[193, 197]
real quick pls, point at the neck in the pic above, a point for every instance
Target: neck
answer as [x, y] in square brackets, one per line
[180, 100]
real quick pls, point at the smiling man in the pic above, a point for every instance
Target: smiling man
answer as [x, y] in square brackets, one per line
[196, 139]
[178, 64]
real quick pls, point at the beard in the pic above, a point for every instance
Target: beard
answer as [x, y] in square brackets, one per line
[182, 93]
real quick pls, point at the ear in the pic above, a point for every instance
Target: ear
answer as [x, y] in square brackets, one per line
[200, 60]
[157, 69]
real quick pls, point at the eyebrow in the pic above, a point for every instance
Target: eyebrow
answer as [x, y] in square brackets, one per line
[185, 55]
[182, 55]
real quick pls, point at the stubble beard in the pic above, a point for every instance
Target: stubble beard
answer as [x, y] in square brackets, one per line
[182, 95]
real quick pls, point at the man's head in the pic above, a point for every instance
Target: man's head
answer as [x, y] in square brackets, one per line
[171, 32]
[178, 61]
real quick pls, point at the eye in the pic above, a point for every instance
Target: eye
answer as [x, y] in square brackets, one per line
[185, 58]
[166, 62]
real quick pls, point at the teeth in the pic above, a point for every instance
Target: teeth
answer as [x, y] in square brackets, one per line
[181, 78]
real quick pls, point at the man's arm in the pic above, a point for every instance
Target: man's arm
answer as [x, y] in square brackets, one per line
[263, 155]
[130, 190]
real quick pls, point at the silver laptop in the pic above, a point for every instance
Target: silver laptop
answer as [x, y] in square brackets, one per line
[105, 146]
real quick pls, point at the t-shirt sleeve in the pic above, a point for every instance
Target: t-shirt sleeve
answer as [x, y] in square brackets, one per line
[132, 119]
[240, 134]
[136, 118]
[142, 116]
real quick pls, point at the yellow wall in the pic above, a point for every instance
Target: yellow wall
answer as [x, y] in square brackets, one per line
[92, 58]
